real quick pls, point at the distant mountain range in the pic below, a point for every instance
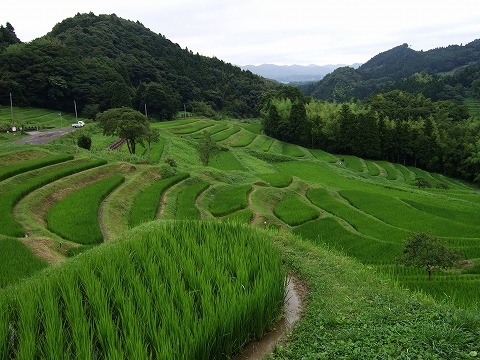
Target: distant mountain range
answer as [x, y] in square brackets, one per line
[293, 73]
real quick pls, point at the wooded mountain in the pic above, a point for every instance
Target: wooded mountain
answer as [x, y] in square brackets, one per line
[405, 69]
[104, 62]
[293, 73]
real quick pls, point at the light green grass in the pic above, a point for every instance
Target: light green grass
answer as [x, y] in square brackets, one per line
[267, 144]
[397, 213]
[390, 170]
[372, 168]
[75, 217]
[330, 232]
[224, 135]
[244, 140]
[191, 128]
[360, 221]
[354, 163]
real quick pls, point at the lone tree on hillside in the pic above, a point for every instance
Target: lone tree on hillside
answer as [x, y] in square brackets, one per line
[125, 123]
[206, 147]
[423, 250]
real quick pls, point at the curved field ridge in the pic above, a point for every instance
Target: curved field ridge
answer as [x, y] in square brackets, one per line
[18, 168]
[398, 213]
[75, 217]
[146, 204]
[172, 290]
[13, 191]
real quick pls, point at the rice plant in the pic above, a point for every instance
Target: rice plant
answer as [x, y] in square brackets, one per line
[18, 168]
[170, 290]
[75, 217]
[13, 191]
[146, 203]
[279, 180]
[228, 199]
[294, 211]
[186, 208]
[244, 140]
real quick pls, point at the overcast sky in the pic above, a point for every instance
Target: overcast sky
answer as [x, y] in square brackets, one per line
[272, 31]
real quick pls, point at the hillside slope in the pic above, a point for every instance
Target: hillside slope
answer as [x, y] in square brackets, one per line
[105, 61]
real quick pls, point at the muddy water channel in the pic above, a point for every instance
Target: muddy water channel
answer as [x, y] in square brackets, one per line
[259, 349]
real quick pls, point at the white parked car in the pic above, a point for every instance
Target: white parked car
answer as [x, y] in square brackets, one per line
[78, 124]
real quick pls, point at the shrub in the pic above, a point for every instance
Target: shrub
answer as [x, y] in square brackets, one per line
[84, 141]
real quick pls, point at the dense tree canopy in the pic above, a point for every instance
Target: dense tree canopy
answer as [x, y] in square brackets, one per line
[105, 62]
[125, 123]
[429, 252]
[395, 126]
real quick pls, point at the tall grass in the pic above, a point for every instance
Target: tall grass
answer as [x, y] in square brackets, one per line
[389, 168]
[372, 168]
[26, 183]
[173, 290]
[147, 202]
[75, 217]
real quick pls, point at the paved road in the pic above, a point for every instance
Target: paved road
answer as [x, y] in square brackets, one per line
[41, 137]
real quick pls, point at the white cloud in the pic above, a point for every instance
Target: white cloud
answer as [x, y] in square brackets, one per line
[268, 31]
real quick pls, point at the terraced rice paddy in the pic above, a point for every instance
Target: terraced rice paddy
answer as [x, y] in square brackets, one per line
[362, 208]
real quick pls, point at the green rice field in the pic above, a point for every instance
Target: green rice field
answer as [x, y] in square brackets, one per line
[162, 222]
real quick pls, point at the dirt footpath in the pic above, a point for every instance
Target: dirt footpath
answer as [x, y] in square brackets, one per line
[41, 137]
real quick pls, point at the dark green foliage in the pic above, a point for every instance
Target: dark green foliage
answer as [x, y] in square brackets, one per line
[84, 141]
[206, 147]
[7, 36]
[107, 62]
[422, 182]
[402, 68]
[426, 251]
[125, 123]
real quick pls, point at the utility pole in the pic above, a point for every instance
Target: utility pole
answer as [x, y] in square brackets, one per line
[146, 114]
[11, 111]
[76, 116]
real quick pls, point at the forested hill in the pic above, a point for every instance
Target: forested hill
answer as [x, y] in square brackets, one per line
[405, 69]
[105, 61]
